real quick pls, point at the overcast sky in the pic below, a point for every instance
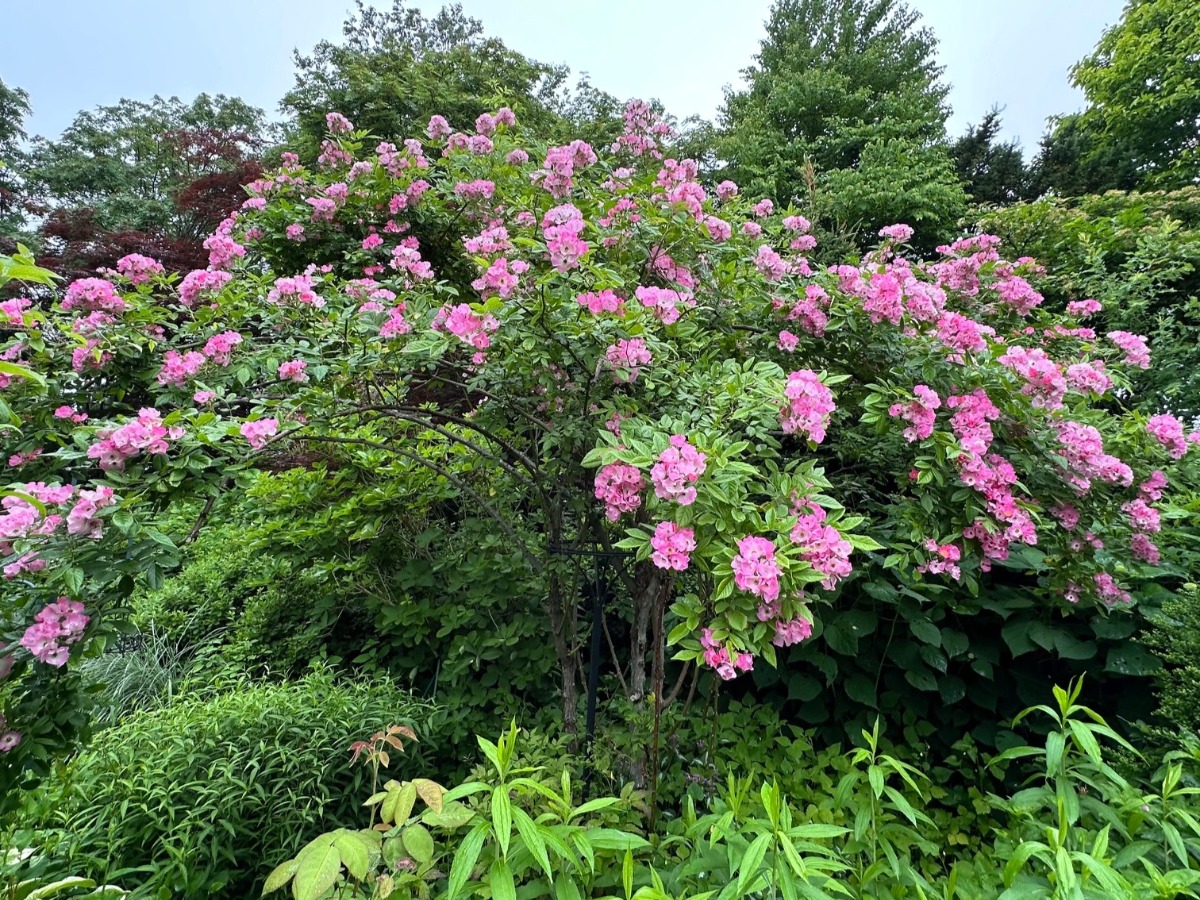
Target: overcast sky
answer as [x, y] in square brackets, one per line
[75, 54]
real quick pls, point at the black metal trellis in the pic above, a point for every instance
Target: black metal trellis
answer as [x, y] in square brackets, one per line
[593, 681]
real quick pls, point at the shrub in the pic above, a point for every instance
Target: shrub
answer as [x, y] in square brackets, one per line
[1076, 830]
[1176, 638]
[1138, 253]
[908, 468]
[194, 799]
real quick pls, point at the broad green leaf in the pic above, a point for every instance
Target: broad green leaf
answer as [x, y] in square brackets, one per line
[356, 856]
[418, 842]
[317, 870]
[279, 876]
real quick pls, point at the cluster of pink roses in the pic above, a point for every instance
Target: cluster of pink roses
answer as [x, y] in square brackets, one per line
[145, 434]
[809, 405]
[54, 629]
[822, 545]
[677, 470]
[619, 487]
[920, 413]
[719, 658]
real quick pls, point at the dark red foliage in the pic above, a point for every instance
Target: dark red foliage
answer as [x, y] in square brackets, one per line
[212, 197]
[75, 247]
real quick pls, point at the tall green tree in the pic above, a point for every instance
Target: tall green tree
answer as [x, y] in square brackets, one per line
[992, 171]
[1141, 126]
[129, 162]
[395, 68]
[14, 107]
[1074, 159]
[853, 88]
[1143, 88]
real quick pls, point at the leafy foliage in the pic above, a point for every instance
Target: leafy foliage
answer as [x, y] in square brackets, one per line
[397, 68]
[212, 788]
[1137, 253]
[992, 172]
[14, 108]
[527, 408]
[128, 161]
[1176, 639]
[152, 178]
[853, 89]
[1144, 92]
[1081, 830]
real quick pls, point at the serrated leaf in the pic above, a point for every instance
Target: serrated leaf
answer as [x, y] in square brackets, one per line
[748, 867]
[502, 817]
[431, 792]
[399, 803]
[465, 858]
[453, 815]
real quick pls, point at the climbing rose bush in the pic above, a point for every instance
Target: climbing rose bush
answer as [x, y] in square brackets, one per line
[641, 363]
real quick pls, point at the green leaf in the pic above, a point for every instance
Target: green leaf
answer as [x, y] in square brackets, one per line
[399, 803]
[72, 884]
[862, 542]
[500, 877]
[1016, 635]
[861, 689]
[955, 643]
[926, 631]
[465, 858]
[814, 831]
[279, 876]
[565, 888]
[418, 843]
[921, 678]
[356, 856]
[1069, 647]
[533, 841]
[841, 638]
[1131, 659]
[502, 817]
[748, 867]
[73, 579]
[453, 815]
[592, 806]
[952, 689]
[614, 839]
[1042, 635]
[318, 866]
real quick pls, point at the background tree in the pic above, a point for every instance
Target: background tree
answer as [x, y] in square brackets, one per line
[991, 171]
[14, 107]
[129, 161]
[1143, 88]
[854, 89]
[1073, 159]
[395, 68]
[1140, 126]
[152, 178]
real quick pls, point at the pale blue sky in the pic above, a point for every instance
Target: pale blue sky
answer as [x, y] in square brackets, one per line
[74, 54]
